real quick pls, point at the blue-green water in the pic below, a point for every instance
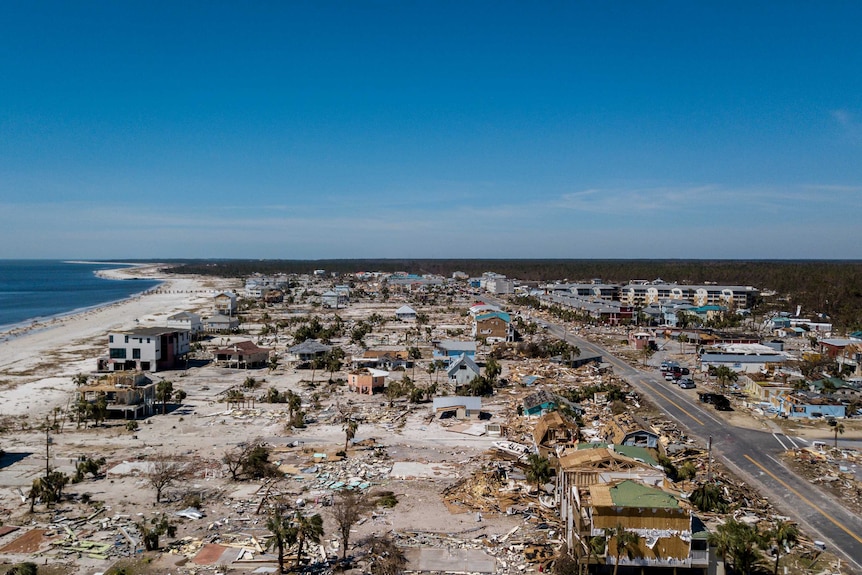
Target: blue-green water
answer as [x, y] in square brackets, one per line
[38, 289]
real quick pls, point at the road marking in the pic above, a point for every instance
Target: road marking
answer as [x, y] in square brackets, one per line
[784, 447]
[838, 524]
[676, 405]
[790, 439]
[802, 440]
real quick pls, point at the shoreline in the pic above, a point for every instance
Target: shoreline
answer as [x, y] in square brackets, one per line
[12, 331]
[38, 362]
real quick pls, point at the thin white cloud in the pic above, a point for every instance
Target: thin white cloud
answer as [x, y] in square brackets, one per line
[848, 122]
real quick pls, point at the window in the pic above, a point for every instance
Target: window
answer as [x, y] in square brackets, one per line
[136, 353]
[148, 340]
[127, 340]
[110, 339]
[117, 353]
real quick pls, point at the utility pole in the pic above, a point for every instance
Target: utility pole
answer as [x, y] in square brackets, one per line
[709, 460]
[47, 447]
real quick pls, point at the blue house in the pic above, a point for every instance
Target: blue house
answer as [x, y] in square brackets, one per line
[808, 404]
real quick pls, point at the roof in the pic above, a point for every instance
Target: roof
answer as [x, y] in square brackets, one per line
[500, 314]
[463, 359]
[636, 453]
[468, 402]
[837, 342]
[242, 346]
[628, 493]
[309, 346]
[742, 358]
[221, 318]
[152, 331]
[382, 353]
[593, 456]
[538, 398]
[405, 309]
[455, 345]
[184, 315]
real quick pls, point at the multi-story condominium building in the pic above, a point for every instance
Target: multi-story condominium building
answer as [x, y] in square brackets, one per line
[145, 349]
[643, 294]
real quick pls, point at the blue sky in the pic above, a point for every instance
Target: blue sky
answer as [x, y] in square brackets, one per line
[430, 129]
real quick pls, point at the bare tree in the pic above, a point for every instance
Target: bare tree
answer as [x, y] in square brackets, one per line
[165, 472]
[249, 460]
[347, 510]
[385, 557]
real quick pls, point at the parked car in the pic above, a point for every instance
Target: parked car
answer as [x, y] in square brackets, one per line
[668, 377]
[686, 383]
[720, 402]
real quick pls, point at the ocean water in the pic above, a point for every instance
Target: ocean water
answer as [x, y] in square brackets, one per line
[38, 289]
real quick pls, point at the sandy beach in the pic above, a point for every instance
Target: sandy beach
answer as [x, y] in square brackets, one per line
[37, 362]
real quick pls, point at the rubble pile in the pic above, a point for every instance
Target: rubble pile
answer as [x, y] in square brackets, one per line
[362, 470]
[514, 552]
[833, 470]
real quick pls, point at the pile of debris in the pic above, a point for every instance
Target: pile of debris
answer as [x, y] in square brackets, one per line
[832, 469]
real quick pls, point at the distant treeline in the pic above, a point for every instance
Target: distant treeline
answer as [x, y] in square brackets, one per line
[830, 287]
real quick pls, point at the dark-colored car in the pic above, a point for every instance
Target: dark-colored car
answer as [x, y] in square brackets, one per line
[720, 402]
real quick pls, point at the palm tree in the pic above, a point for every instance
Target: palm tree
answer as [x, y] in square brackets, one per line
[708, 498]
[493, 369]
[36, 491]
[538, 469]
[783, 534]
[646, 353]
[414, 353]
[725, 375]
[294, 402]
[595, 546]
[307, 528]
[349, 428]
[683, 339]
[625, 542]
[838, 428]
[26, 568]
[687, 471]
[283, 534]
[721, 540]
[738, 541]
[164, 391]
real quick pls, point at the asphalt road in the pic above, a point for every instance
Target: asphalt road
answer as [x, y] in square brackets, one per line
[752, 455]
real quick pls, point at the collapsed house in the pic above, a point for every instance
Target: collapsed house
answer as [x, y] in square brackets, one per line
[457, 406]
[601, 492]
[554, 431]
[127, 395]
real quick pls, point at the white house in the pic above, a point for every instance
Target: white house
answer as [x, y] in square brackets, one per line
[145, 349]
[220, 322]
[186, 320]
[463, 370]
[225, 303]
[742, 357]
[405, 313]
